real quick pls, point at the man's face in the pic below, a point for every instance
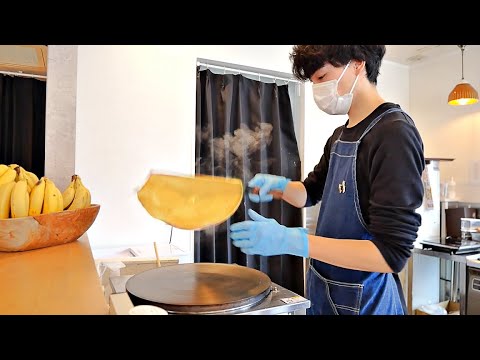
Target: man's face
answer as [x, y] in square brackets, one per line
[329, 72]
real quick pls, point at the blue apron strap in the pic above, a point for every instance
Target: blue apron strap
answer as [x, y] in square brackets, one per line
[377, 119]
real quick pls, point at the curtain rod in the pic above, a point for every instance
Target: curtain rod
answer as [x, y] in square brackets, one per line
[12, 73]
[246, 72]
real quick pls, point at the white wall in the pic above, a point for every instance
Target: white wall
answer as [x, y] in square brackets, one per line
[448, 131]
[136, 112]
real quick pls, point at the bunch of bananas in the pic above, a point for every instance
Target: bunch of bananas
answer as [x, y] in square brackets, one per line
[76, 195]
[22, 194]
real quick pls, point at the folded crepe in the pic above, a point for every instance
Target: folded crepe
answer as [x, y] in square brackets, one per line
[191, 202]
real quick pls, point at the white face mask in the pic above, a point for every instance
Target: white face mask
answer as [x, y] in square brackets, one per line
[327, 99]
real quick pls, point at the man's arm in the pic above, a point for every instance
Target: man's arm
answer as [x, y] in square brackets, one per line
[348, 253]
[295, 194]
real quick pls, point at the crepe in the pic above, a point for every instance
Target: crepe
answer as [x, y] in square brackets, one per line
[191, 203]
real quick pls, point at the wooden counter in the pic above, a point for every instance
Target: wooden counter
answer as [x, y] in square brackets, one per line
[58, 280]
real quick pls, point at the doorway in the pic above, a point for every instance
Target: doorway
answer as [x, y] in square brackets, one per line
[248, 121]
[23, 75]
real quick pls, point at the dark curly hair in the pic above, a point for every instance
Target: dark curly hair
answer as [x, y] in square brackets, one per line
[306, 59]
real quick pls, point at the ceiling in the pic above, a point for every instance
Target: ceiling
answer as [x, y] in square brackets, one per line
[414, 54]
[32, 58]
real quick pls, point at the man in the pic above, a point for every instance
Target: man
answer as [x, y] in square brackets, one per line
[369, 182]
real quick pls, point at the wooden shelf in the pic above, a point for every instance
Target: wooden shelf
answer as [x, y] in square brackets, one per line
[428, 159]
[58, 280]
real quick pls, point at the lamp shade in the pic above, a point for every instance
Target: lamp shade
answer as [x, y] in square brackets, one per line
[463, 94]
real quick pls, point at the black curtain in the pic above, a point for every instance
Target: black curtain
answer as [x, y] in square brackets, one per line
[22, 122]
[246, 127]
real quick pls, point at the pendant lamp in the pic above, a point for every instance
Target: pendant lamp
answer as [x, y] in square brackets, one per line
[463, 93]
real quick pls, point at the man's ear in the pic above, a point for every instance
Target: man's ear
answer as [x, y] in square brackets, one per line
[359, 66]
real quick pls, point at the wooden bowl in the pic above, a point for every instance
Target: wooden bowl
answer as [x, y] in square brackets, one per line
[35, 232]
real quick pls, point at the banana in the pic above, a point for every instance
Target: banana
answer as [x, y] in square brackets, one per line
[13, 166]
[32, 179]
[59, 199]
[69, 193]
[21, 175]
[3, 168]
[36, 198]
[5, 199]
[82, 196]
[19, 199]
[89, 198]
[8, 176]
[88, 201]
[50, 198]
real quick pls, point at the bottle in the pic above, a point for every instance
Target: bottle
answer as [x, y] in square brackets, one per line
[451, 190]
[443, 191]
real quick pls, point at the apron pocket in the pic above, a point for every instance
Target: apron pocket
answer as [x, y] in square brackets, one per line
[333, 297]
[345, 297]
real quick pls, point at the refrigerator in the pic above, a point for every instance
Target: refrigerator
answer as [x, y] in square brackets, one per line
[425, 287]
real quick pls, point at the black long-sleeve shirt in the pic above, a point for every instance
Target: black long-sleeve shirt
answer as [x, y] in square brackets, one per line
[390, 162]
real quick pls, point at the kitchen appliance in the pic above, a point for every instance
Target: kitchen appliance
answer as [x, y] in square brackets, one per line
[209, 289]
[194, 203]
[453, 220]
[470, 228]
[438, 215]
[452, 238]
[473, 285]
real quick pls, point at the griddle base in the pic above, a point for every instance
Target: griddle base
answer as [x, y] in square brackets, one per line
[280, 301]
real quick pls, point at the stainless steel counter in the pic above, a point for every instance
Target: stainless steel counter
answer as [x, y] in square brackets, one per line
[473, 261]
[279, 301]
[459, 264]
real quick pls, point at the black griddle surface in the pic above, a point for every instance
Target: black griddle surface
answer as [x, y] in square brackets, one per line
[199, 287]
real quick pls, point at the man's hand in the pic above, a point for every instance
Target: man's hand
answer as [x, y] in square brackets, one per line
[263, 236]
[265, 184]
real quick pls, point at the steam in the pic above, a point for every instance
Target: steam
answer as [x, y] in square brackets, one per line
[236, 149]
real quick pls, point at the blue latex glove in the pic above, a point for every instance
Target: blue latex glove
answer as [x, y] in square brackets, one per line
[266, 183]
[267, 237]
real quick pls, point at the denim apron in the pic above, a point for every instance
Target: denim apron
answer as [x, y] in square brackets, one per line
[334, 290]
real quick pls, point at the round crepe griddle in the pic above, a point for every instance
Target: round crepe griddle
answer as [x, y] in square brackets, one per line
[199, 287]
